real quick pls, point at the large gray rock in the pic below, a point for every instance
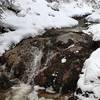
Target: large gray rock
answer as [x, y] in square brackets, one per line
[54, 59]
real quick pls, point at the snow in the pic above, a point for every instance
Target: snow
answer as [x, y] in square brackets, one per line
[50, 90]
[94, 30]
[63, 60]
[35, 16]
[90, 79]
[94, 17]
[36, 88]
[77, 9]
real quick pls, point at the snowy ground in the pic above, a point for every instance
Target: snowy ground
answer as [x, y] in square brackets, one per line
[90, 80]
[35, 16]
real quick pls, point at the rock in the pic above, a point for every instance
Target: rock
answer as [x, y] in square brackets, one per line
[73, 98]
[63, 76]
[38, 61]
[2, 60]
[5, 83]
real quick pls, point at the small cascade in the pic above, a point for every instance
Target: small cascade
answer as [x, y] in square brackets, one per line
[37, 55]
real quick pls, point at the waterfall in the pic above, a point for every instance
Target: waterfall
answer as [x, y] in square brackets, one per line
[22, 90]
[34, 65]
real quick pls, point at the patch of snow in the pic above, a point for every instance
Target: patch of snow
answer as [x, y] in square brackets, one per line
[94, 17]
[94, 30]
[50, 90]
[54, 74]
[71, 46]
[63, 60]
[77, 51]
[76, 8]
[36, 88]
[90, 79]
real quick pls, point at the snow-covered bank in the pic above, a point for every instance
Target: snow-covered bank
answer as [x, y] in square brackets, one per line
[94, 17]
[94, 30]
[89, 81]
[36, 15]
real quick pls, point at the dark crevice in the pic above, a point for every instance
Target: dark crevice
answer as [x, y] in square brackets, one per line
[95, 45]
[13, 10]
[6, 29]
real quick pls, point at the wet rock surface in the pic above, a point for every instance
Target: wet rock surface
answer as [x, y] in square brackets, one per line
[63, 67]
[5, 83]
[54, 59]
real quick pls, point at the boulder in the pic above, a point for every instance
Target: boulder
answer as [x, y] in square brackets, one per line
[54, 59]
[64, 61]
